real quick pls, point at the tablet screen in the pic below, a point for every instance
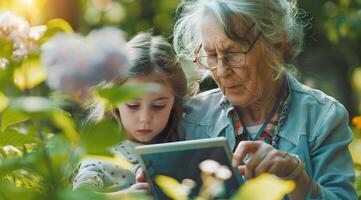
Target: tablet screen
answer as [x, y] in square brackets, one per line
[181, 160]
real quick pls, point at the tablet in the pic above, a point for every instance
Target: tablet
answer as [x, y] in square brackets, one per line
[181, 160]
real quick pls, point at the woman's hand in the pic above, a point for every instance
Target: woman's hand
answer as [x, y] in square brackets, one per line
[261, 158]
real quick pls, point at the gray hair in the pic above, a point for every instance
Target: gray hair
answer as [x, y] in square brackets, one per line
[273, 18]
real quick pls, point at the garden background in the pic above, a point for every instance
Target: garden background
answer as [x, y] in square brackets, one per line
[331, 61]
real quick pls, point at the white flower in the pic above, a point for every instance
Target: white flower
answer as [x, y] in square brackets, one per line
[23, 36]
[74, 63]
[223, 172]
[209, 166]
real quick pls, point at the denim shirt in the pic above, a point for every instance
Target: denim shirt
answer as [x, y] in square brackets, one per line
[315, 128]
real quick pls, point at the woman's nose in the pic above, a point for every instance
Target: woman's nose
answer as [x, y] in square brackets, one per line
[223, 69]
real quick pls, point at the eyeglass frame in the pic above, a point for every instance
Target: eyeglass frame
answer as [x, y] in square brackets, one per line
[196, 58]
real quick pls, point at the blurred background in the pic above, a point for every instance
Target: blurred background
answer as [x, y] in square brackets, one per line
[331, 60]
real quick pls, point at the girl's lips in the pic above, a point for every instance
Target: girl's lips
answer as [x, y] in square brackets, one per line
[144, 131]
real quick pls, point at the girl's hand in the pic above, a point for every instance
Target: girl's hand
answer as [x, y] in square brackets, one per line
[262, 158]
[140, 176]
[139, 187]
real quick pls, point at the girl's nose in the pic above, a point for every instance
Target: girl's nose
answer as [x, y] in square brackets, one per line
[145, 116]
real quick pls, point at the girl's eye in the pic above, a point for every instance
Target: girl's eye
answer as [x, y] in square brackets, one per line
[158, 107]
[133, 106]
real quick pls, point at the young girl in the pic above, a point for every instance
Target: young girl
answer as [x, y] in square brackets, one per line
[151, 118]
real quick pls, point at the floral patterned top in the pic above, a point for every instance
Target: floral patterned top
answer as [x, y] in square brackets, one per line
[106, 176]
[270, 132]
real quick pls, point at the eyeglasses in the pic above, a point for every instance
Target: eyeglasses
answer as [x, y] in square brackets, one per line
[233, 60]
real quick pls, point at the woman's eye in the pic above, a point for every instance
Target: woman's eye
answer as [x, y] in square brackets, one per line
[158, 107]
[133, 106]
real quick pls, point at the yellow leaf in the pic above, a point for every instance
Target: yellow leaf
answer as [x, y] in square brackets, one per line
[273, 188]
[355, 149]
[3, 102]
[123, 163]
[117, 160]
[64, 121]
[11, 117]
[356, 80]
[29, 74]
[171, 187]
[55, 26]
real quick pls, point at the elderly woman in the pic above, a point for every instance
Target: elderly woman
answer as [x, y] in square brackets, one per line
[274, 123]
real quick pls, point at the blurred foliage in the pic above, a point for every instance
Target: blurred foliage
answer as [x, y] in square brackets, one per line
[333, 38]
[41, 142]
[132, 16]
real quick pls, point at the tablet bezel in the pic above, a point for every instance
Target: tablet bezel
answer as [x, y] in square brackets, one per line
[179, 146]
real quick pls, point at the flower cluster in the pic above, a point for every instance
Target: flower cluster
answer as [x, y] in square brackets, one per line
[18, 31]
[74, 63]
[213, 175]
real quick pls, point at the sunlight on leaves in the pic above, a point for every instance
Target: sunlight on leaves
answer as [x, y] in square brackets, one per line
[273, 188]
[355, 149]
[11, 117]
[31, 9]
[6, 48]
[3, 102]
[13, 137]
[29, 74]
[55, 26]
[171, 187]
[356, 79]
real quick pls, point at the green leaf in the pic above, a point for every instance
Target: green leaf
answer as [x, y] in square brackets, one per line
[29, 74]
[64, 121]
[113, 96]
[55, 26]
[97, 138]
[32, 160]
[6, 48]
[3, 102]
[80, 195]
[11, 117]
[13, 137]
[10, 191]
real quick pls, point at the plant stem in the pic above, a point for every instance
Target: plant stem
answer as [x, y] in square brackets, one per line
[53, 185]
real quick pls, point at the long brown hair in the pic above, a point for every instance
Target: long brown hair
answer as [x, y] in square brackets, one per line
[153, 56]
